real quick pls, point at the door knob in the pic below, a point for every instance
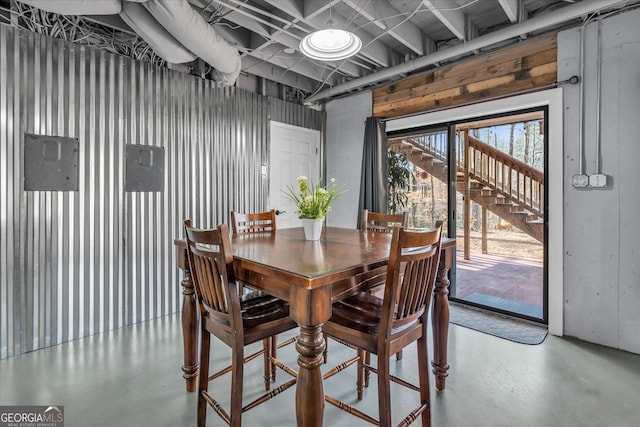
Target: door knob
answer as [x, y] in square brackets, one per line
[278, 212]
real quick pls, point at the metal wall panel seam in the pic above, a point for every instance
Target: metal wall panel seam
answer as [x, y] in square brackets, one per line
[57, 198]
[45, 295]
[107, 188]
[73, 209]
[4, 195]
[21, 44]
[90, 215]
[14, 293]
[29, 250]
[156, 131]
[123, 81]
[81, 278]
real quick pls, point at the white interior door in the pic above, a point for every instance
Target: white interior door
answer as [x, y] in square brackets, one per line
[295, 151]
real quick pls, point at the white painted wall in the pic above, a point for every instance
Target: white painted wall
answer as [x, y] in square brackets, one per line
[602, 232]
[601, 237]
[343, 150]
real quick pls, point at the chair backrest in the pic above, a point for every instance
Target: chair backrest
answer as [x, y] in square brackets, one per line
[411, 275]
[211, 266]
[375, 221]
[253, 222]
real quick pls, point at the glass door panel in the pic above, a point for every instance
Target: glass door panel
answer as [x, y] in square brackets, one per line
[500, 215]
[427, 195]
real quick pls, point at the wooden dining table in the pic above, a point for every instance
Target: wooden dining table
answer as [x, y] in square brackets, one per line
[311, 275]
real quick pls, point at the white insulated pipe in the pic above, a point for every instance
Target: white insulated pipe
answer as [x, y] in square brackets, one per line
[195, 34]
[77, 7]
[146, 26]
[538, 23]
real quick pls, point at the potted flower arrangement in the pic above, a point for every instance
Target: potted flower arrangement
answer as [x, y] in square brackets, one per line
[313, 202]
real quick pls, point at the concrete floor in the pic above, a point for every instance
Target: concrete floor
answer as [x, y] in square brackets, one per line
[132, 377]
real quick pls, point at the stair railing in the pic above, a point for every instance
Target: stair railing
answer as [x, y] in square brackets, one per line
[509, 177]
[517, 181]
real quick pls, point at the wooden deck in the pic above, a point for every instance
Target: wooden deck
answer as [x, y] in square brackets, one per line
[509, 279]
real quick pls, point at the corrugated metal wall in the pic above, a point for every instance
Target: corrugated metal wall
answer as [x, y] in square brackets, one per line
[74, 264]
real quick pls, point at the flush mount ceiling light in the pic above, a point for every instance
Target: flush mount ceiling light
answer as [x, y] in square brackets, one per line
[331, 44]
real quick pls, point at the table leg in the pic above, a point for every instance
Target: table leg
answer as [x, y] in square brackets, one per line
[310, 309]
[190, 326]
[309, 390]
[440, 325]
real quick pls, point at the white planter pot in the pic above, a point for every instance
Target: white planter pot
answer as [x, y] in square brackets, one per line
[312, 228]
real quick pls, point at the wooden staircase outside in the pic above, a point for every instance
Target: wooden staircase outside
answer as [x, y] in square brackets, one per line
[505, 186]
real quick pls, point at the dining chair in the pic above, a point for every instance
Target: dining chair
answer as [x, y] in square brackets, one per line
[235, 320]
[253, 222]
[258, 222]
[376, 221]
[384, 326]
[383, 223]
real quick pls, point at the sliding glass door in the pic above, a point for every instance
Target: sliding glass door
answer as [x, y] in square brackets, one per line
[485, 178]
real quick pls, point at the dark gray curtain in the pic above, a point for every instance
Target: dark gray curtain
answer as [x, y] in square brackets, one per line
[373, 183]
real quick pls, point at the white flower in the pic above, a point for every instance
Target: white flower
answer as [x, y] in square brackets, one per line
[333, 180]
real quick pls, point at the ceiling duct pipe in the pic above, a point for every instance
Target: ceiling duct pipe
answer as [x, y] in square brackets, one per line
[190, 29]
[162, 43]
[77, 7]
[538, 23]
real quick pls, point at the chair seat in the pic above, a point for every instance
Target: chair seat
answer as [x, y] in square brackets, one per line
[258, 308]
[359, 311]
[362, 312]
[262, 316]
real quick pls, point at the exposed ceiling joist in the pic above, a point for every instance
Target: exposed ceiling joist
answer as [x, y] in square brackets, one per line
[510, 8]
[313, 8]
[387, 17]
[448, 12]
[272, 72]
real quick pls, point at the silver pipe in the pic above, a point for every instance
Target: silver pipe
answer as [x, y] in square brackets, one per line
[534, 24]
[598, 90]
[581, 106]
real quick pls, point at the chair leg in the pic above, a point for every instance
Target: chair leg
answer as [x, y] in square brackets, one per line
[266, 346]
[367, 372]
[384, 390]
[325, 352]
[274, 354]
[237, 378]
[423, 374]
[203, 380]
[360, 381]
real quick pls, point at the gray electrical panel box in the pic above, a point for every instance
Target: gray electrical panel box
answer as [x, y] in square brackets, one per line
[50, 163]
[144, 168]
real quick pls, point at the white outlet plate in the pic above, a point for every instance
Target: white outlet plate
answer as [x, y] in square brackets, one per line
[580, 181]
[598, 180]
